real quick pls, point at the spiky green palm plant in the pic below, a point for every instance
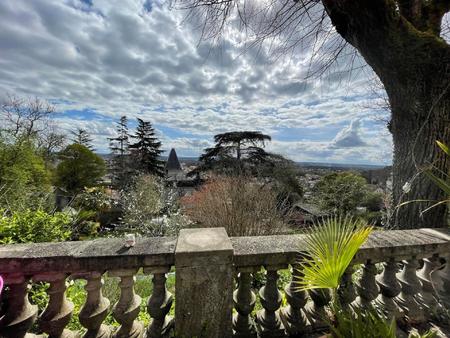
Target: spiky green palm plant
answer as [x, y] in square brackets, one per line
[362, 323]
[330, 246]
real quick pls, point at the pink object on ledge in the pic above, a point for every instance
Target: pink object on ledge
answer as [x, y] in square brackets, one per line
[1, 284]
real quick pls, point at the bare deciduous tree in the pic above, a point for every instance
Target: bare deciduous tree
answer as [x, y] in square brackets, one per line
[26, 117]
[31, 118]
[243, 206]
[401, 40]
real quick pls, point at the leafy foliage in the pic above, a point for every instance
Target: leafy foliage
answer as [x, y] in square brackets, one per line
[341, 192]
[331, 245]
[363, 323]
[79, 168]
[241, 153]
[150, 208]
[34, 226]
[94, 198]
[24, 177]
[236, 152]
[146, 150]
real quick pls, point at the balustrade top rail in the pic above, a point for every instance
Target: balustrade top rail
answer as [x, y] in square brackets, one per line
[110, 253]
[402, 244]
[95, 255]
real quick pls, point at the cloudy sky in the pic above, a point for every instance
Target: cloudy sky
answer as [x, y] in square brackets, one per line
[96, 60]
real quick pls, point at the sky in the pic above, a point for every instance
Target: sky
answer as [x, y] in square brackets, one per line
[96, 60]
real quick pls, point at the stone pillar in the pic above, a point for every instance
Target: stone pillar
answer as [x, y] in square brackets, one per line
[204, 283]
[126, 310]
[244, 302]
[159, 304]
[268, 318]
[441, 280]
[292, 315]
[367, 287]
[20, 314]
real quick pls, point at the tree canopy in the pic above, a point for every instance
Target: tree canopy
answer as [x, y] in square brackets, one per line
[24, 177]
[237, 152]
[79, 168]
[146, 151]
[119, 146]
[81, 136]
[341, 192]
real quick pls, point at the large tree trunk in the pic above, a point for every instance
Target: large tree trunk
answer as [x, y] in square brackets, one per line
[413, 63]
[414, 137]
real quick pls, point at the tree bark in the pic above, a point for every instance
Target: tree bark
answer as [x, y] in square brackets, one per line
[414, 139]
[414, 66]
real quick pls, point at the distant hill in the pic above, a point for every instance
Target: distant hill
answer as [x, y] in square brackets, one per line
[312, 165]
[339, 165]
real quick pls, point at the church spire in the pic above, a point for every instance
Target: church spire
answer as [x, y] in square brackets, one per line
[172, 162]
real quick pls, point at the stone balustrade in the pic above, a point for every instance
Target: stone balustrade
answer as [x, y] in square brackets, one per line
[225, 287]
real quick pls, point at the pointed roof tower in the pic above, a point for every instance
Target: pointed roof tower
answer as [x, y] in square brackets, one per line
[172, 162]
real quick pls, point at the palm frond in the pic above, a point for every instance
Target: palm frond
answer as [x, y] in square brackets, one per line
[444, 185]
[444, 147]
[330, 246]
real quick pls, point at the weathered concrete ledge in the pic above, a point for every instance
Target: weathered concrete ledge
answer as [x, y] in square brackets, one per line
[204, 283]
[97, 255]
[402, 244]
[110, 253]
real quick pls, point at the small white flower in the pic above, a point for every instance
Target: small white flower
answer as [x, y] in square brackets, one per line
[406, 187]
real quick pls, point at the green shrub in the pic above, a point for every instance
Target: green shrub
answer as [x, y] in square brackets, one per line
[361, 323]
[151, 209]
[34, 226]
[95, 198]
[79, 168]
[24, 176]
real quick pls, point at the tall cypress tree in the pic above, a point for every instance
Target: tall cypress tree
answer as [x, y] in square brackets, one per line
[146, 150]
[120, 164]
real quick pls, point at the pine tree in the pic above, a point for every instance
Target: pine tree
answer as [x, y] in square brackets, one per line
[146, 150]
[120, 164]
[81, 136]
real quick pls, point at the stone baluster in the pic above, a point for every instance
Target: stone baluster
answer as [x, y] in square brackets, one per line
[367, 287]
[20, 314]
[346, 292]
[410, 286]
[59, 310]
[443, 283]
[244, 302]
[389, 289]
[292, 316]
[427, 296]
[268, 319]
[127, 309]
[316, 310]
[159, 304]
[96, 308]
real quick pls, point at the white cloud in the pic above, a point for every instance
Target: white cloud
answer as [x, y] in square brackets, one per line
[349, 137]
[119, 59]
